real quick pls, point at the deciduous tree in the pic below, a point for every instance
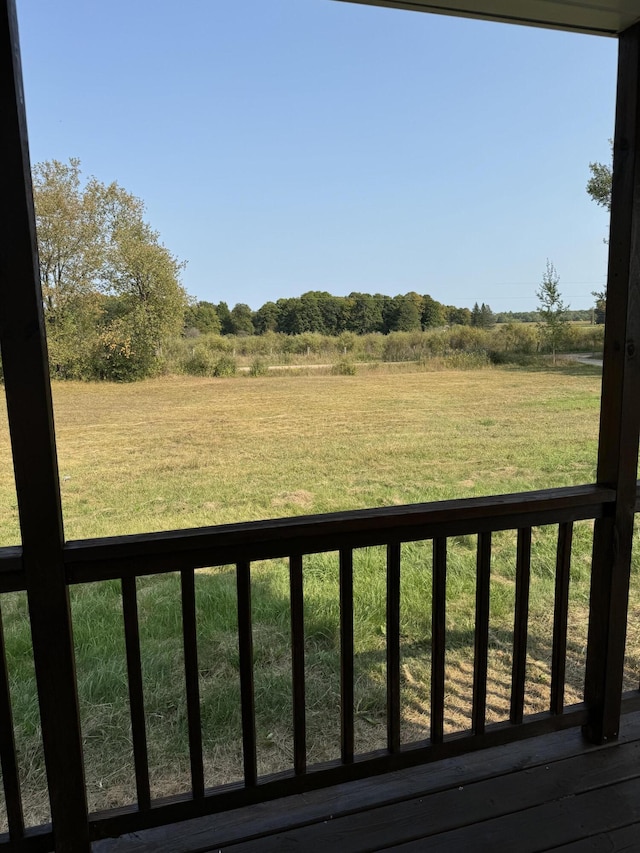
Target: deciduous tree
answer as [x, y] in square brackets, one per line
[109, 285]
[599, 188]
[552, 311]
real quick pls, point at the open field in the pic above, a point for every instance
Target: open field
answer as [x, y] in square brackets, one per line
[183, 451]
[180, 452]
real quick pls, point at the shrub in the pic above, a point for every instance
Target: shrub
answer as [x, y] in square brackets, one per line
[397, 347]
[258, 368]
[343, 368]
[118, 357]
[225, 366]
[201, 362]
[515, 338]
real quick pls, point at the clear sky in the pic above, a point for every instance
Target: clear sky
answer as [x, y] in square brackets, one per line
[290, 145]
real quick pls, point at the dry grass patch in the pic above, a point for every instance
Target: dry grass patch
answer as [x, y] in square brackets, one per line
[182, 452]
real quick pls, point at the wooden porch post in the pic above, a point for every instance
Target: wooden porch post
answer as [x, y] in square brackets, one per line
[26, 373]
[620, 412]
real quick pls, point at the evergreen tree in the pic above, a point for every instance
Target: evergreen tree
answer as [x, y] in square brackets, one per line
[487, 318]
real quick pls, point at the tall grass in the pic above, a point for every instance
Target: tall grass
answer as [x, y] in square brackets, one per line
[504, 343]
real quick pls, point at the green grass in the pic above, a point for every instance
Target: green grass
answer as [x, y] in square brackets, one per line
[184, 452]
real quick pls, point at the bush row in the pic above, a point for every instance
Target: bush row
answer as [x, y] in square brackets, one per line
[215, 355]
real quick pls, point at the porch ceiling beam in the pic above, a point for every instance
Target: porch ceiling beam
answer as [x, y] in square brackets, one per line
[596, 17]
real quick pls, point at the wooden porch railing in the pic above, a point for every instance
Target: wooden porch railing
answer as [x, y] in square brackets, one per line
[127, 558]
[46, 567]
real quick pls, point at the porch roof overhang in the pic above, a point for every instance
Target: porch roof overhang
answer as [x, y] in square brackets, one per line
[598, 17]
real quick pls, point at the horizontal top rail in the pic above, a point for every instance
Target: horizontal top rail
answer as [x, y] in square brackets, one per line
[148, 553]
[12, 576]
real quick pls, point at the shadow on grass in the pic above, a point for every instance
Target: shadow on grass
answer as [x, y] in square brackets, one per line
[562, 368]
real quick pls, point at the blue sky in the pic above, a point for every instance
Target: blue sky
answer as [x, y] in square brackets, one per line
[290, 145]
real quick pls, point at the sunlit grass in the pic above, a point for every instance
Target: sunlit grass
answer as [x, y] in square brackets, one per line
[182, 452]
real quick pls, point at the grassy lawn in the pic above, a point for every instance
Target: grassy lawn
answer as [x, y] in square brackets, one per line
[181, 452]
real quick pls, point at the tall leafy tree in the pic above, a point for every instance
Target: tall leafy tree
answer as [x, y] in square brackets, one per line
[111, 290]
[403, 314]
[226, 322]
[265, 318]
[242, 319]
[599, 184]
[365, 314]
[146, 277]
[310, 317]
[432, 313]
[331, 308]
[457, 316]
[71, 245]
[599, 188]
[203, 317]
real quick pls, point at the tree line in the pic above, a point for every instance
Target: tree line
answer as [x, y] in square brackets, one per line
[360, 313]
[321, 312]
[113, 298]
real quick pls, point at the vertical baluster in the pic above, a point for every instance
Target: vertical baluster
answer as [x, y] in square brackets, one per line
[297, 664]
[8, 751]
[136, 693]
[560, 617]
[393, 647]
[247, 698]
[520, 625]
[346, 656]
[483, 578]
[438, 637]
[190, 639]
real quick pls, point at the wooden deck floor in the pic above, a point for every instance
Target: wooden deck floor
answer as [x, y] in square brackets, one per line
[549, 793]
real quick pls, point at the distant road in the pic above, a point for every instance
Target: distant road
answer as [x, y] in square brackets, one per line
[583, 358]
